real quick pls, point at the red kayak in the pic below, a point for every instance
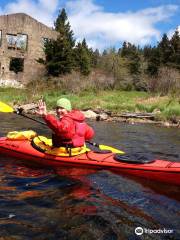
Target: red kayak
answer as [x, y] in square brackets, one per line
[106, 158]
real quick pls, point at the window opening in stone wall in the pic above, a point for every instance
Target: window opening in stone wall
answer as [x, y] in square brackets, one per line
[0, 38]
[44, 40]
[16, 65]
[18, 41]
[11, 41]
[21, 41]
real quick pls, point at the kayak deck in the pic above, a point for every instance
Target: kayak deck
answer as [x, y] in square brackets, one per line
[159, 170]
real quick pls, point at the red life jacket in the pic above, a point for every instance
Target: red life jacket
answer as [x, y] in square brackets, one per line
[71, 130]
[78, 139]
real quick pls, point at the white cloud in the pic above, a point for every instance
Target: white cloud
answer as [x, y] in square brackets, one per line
[42, 10]
[100, 28]
[104, 29]
[171, 32]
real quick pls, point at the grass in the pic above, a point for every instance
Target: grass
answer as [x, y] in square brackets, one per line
[171, 111]
[12, 96]
[116, 101]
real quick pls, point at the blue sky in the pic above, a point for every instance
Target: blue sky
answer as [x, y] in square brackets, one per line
[106, 23]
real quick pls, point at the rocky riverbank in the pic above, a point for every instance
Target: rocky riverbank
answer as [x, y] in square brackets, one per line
[130, 118]
[102, 115]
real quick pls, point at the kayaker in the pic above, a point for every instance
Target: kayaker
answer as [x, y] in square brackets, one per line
[69, 128]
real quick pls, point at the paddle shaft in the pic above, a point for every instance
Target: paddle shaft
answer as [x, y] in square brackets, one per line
[35, 120]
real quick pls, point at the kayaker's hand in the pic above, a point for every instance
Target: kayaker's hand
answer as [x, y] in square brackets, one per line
[42, 111]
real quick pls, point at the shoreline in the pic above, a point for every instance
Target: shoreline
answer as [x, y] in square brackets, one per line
[130, 120]
[109, 116]
[107, 105]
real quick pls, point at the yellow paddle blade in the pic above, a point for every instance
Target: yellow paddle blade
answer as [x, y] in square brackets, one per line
[114, 150]
[5, 108]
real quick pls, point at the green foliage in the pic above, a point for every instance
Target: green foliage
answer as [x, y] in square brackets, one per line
[59, 53]
[134, 64]
[123, 79]
[165, 50]
[62, 56]
[82, 57]
[13, 95]
[153, 62]
[172, 111]
[116, 101]
[146, 108]
[167, 53]
[127, 49]
[63, 27]
[132, 53]
[175, 56]
[59, 57]
[130, 68]
[133, 56]
[147, 51]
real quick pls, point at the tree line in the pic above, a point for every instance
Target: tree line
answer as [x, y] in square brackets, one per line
[132, 67]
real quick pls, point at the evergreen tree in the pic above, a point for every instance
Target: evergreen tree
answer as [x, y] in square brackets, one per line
[84, 44]
[58, 57]
[134, 66]
[135, 63]
[165, 49]
[147, 51]
[175, 41]
[124, 49]
[175, 44]
[153, 62]
[128, 50]
[82, 58]
[63, 27]
[59, 53]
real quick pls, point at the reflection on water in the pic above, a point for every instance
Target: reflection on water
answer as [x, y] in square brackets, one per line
[87, 204]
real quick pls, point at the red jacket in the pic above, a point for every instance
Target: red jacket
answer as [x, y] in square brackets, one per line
[71, 129]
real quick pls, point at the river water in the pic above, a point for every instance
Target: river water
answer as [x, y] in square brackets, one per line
[39, 203]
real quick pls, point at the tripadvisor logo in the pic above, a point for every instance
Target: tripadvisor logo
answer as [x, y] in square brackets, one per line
[140, 231]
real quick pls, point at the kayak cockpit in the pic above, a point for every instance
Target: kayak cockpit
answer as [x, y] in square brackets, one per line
[44, 145]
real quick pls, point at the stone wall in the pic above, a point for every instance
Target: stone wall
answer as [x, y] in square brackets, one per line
[21, 23]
